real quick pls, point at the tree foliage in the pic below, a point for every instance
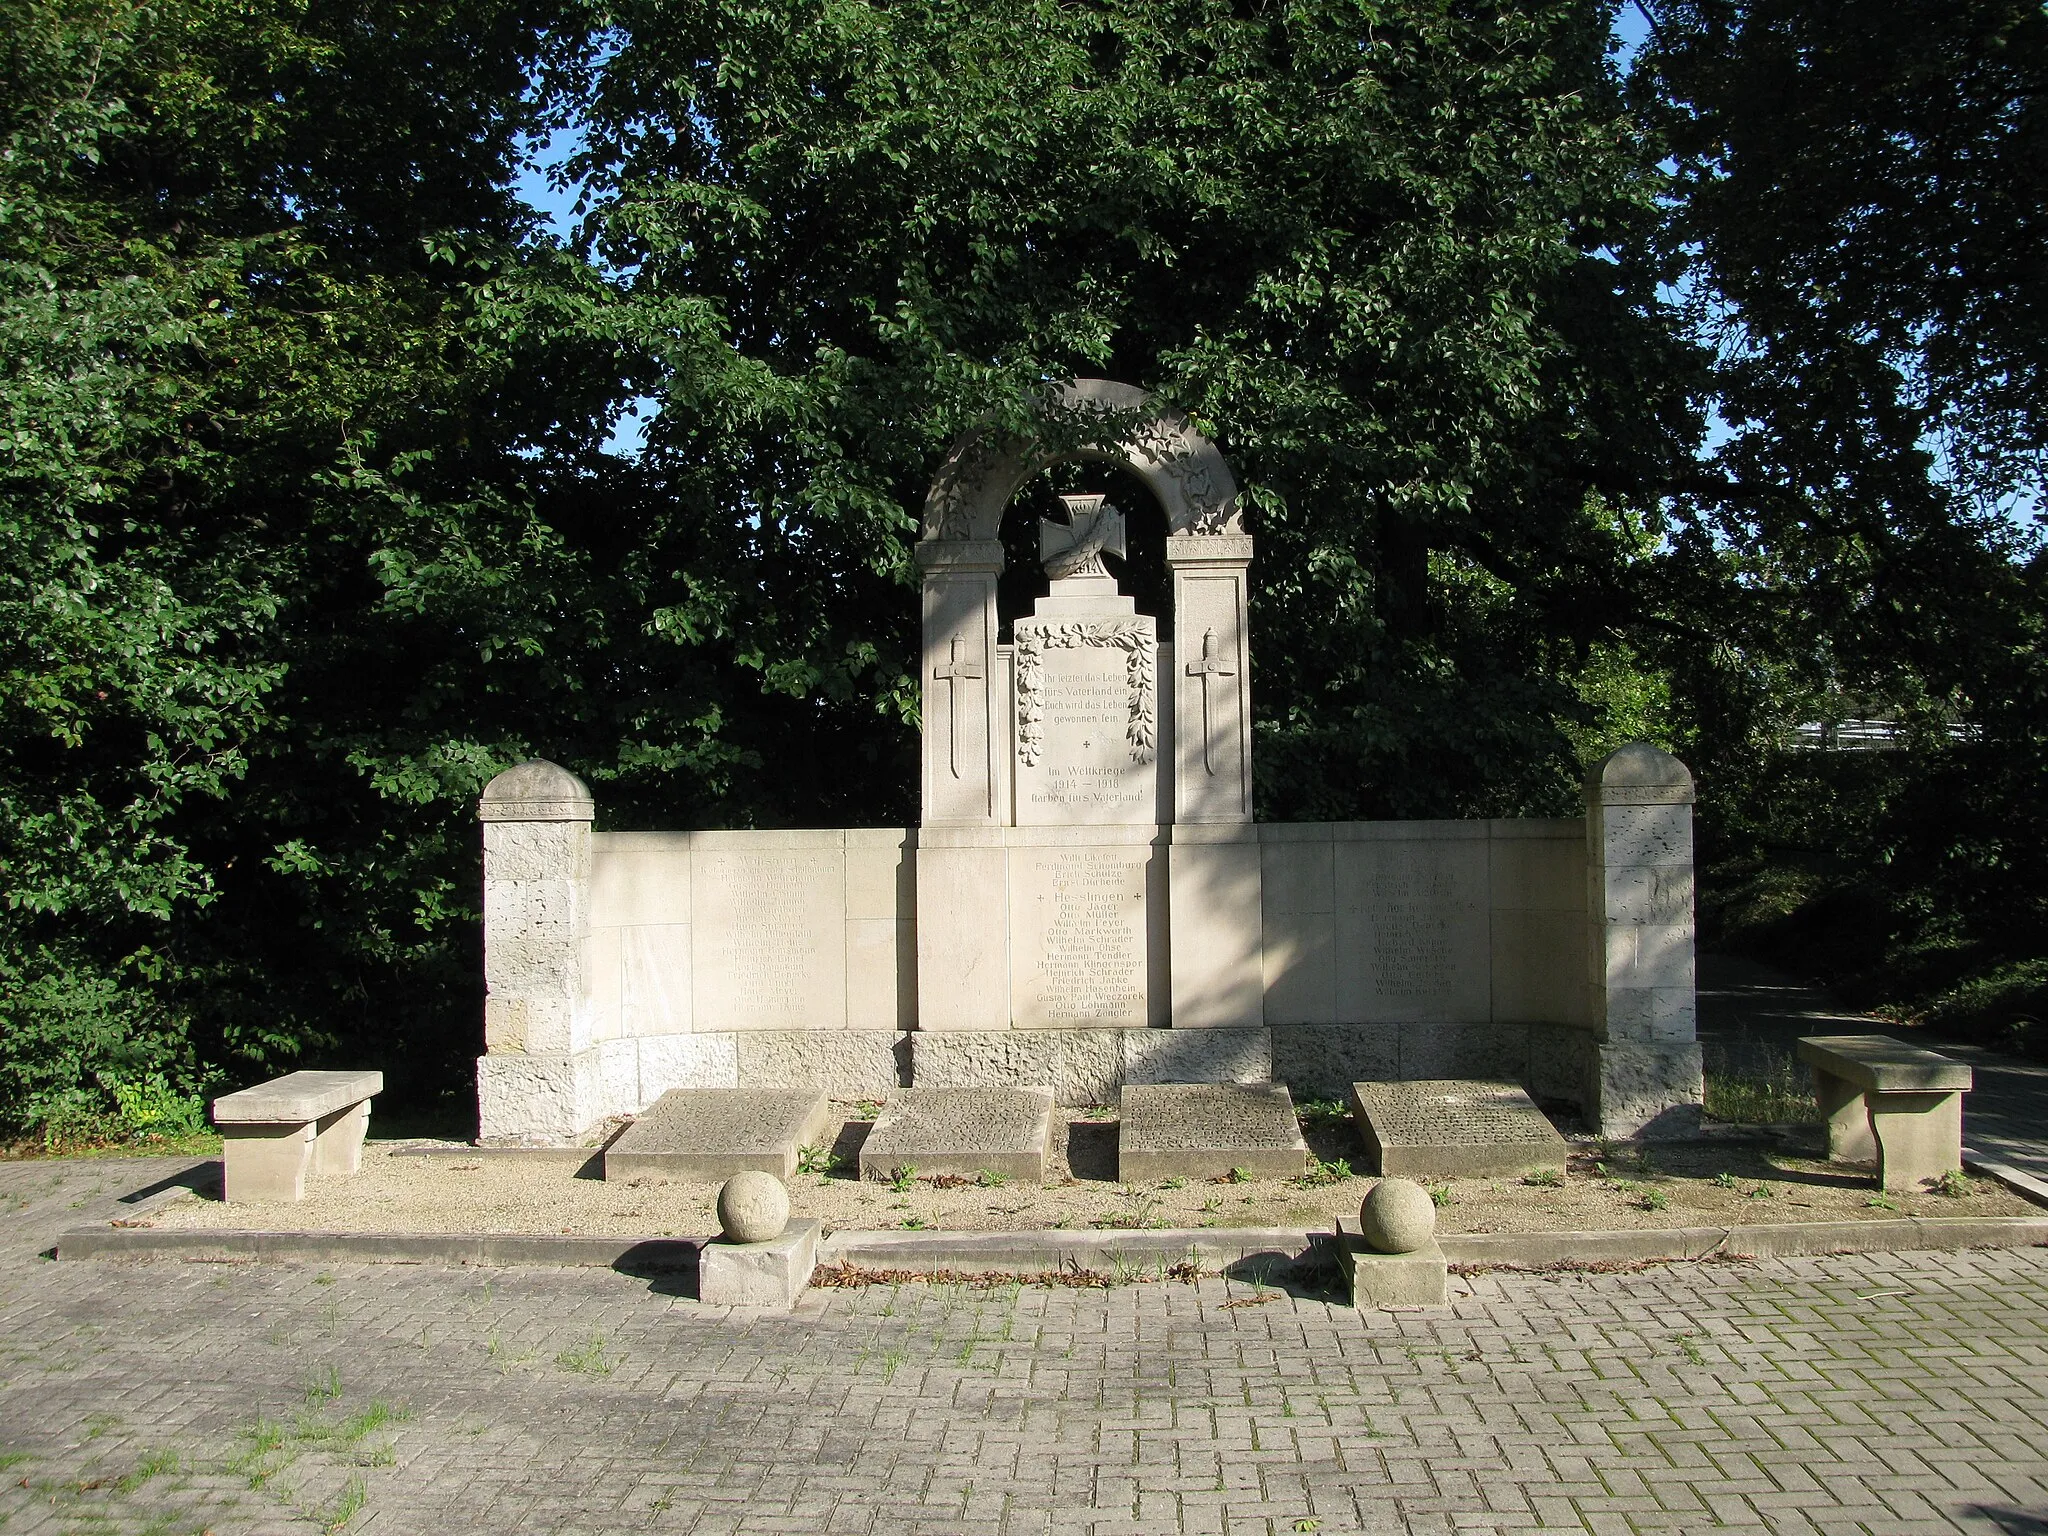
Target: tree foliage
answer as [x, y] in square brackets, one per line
[1858, 216]
[307, 522]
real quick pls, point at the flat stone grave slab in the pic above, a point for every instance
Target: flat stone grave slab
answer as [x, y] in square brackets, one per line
[963, 1131]
[1204, 1130]
[1453, 1129]
[693, 1134]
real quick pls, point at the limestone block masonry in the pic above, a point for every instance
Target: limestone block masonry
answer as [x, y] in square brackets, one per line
[1645, 1077]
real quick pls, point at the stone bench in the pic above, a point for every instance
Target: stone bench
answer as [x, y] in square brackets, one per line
[274, 1134]
[1890, 1103]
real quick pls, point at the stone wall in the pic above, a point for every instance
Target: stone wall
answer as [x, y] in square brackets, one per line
[624, 964]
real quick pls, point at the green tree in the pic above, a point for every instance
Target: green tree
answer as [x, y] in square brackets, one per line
[236, 390]
[1857, 215]
[1376, 249]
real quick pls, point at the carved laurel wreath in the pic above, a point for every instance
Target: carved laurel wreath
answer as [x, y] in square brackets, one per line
[1135, 640]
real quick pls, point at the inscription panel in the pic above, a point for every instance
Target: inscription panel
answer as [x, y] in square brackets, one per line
[1451, 1128]
[1086, 723]
[1079, 953]
[769, 942]
[1412, 931]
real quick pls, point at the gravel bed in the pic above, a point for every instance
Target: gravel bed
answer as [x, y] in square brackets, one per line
[1679, 1184]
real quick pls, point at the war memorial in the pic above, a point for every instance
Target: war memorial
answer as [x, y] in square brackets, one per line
[1088, 903]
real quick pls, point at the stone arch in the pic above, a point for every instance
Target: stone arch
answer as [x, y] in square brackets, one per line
[1182, 468]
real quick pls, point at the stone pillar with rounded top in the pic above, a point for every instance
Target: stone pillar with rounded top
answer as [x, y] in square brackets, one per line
[1214, 869]
[1645, 1077]
[539, 1079]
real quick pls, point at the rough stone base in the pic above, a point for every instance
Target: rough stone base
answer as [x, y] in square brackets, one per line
[1322, 1061]
[1561, 1060]
[963, 1131]
[1088, 1066]
[559, 1100]
[538, 1101]
[1204, 1130]
[265, 1162]
[843, 1063]
[771, 1274]
[713, 1133]
[1648, 1090]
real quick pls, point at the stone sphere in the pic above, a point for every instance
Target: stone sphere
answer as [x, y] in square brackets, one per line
[753, 1207]
[1398, 1216]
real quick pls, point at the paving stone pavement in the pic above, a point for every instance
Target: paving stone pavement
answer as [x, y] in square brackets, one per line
[1882, 1394]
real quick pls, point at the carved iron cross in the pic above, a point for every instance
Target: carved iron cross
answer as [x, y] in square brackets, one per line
[1093, 529]
[952, 672]
[1210, 665]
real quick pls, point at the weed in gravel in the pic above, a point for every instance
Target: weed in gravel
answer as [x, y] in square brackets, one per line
[1321, 1173]
[1882, 1202]
[1546, 1178]
[822, 1161]
[1955, 1184]
[991, 1178]
[1440, 1194]
[1653, 1200]
[901, 1179]
[1725, 1180]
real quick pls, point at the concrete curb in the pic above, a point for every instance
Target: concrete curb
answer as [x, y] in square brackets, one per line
[1036, 1251]
[1781, 1240]
[1032, 1252]
[228, 1246]
[506, 1154]
[2020, 1182]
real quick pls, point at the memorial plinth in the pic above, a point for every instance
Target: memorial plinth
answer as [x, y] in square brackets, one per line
[1418, 1278]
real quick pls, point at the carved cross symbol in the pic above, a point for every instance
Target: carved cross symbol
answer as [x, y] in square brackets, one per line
[1210, 665]
[952, 671]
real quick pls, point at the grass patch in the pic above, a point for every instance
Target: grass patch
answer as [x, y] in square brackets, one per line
[588, 1358]
[1779, 1092]
[155, 1464]
[346, 1508]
